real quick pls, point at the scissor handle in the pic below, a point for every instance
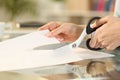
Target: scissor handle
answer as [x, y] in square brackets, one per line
[89, 30]
[88, 46]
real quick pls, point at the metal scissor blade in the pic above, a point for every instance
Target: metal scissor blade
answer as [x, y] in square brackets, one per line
[79, 40]
[50, 46]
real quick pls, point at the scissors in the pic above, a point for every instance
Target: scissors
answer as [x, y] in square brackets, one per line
[88, 30]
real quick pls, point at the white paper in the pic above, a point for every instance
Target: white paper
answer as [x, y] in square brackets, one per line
[17, 60]
[28, 41]
[18, 53]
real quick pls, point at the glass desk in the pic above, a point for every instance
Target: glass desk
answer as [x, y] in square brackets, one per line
[92, 69]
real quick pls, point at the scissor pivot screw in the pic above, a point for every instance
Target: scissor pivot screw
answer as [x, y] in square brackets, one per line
[74, 45]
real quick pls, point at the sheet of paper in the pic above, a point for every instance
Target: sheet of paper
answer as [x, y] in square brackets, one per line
[28, 41]
[18, 53]
[16, 60]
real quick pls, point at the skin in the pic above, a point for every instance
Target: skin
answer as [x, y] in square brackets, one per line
[64, 32]
[108, 35]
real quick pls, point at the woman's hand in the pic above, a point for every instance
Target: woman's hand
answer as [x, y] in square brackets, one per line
[64, 32]
[108, 35]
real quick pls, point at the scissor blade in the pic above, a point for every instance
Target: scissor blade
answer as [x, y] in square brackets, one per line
[50, 46]
[79, 40]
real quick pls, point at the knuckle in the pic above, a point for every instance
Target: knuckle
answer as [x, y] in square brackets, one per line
[103, 44]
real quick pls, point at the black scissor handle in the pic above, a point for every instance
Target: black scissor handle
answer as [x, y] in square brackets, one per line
[89, 30]
[88, 46]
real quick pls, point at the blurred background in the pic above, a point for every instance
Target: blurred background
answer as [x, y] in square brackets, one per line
[19, 17]
[27, 14]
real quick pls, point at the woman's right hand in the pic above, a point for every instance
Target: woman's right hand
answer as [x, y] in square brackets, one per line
[64, 32]
[108, 35]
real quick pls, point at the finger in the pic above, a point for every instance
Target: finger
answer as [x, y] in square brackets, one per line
[55, 32]
[101, 46]
[50, 26]
[111, 47]
[60, 38]
[93, 43]
[97, 45]
[99, 22]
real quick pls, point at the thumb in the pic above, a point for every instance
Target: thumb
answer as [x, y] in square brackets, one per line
[99, 22]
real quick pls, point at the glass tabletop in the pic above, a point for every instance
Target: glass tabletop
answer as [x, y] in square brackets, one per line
[91, 69]
[94, 69]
